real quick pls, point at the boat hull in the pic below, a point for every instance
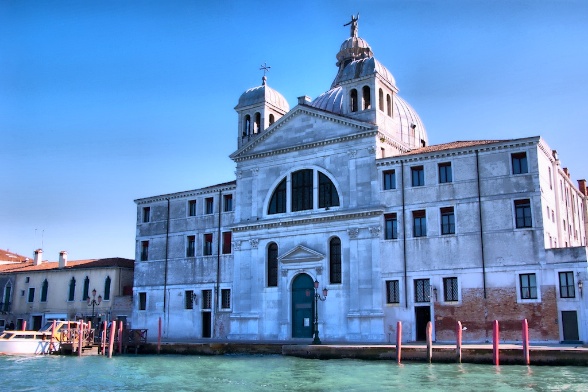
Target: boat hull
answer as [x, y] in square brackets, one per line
[27, 346]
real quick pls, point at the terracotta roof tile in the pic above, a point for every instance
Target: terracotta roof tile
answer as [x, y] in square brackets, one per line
[71, 264]
[450, 146]
[6, 255]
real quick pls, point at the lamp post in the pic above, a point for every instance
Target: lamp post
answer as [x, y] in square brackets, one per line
[317, 296]
[93, 302]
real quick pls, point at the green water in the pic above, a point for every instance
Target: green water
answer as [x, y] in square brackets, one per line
[273, 373]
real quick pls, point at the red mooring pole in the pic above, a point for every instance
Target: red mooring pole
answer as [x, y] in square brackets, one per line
[429, 341]
[80, 337]
[51, 346]
[103, 337]
[526, 356]
[120, 334]
[159, 337]
[24, 325]
[495, 343]
[458, 337]
[398, 341]
[111, 341]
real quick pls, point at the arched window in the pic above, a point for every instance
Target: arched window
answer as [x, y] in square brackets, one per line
[86, 289]
[107, 288]
[246, 125]
[381, 99]
[302, 190]
[353, 99]
[367, 99]
[335, 260]
[257, 125]
[44, 289]
[72, 289]
[389, 105]
[272, 265]
[278, 201]
[271, 119]
[328, 196]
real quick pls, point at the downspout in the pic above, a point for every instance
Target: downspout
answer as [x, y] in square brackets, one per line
[481, 225]
[166, 262]
[404, 236]
[218, 256]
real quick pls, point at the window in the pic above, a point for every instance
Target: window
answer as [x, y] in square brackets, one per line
[450, 293]
[72, 289]
[390, 226]
[227, 236]
[189, 299]
[567, 288]
[328, 196]
[447, 220]
[272, 265]
[206, 299]
[272, 119]
[389, 179]
[353, 100]
[381, 100]
[191, 207]
[27, 279]
[445, 174]
[278, 201]
[519, 163]
[419, 223]
[146, 214]
[388, 105]
[207, 251]
[335, 260]
[528, 286]
[392, 292]
[144, 250]
[44, 289]
[246, 125]
[31, 297]
[85, 296]
[523, 213]
[367, 99]
[225, 298]
[418, 175]
[550, 179]
[209, 205]
[227, 203]
[191, 246]
[422, 290]
[107, 288]
[302, 190]
[142, 301]
[257, 124]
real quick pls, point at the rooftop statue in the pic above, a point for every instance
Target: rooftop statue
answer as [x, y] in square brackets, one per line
[353, 24]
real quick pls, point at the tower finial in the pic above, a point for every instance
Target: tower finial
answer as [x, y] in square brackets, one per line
[265, 69]
[353, 24]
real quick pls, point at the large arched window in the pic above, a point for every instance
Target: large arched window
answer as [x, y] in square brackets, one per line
[278, 201]
[335, 260]
[72, 289]
[367, 99]
[107, 288]
[381, 100]
[257, 125]
[302, 190]
[328, 196]
[353, 100]
[246, 125]
[86, 289]
[272, 265]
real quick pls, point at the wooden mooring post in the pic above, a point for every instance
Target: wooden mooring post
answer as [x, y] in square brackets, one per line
[159, 337]
[495, 343]
[80, 337]
[526, 356]
[111, 340]
[429, 342]
[458, 338]
[398, 341]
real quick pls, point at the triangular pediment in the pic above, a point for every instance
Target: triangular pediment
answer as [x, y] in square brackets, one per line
[301, 254]
[302, 127]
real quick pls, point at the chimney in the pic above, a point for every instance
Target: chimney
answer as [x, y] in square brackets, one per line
[304, 100]
[582, 187]
[566, 171]
[38, 259]
[62, 259]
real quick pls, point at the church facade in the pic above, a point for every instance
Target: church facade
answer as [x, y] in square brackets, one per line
[345, 193]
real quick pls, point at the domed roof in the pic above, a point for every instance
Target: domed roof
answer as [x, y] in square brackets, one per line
[263, 94]
[363, 67]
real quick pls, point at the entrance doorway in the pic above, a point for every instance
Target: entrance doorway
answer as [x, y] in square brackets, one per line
[206, 324]
[422, 317]
[569, 324]
[302, 306]
[37, 323]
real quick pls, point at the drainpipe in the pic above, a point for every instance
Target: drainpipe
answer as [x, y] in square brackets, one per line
[218, 256]
[481, 225]
[404, 236]
[166, 262]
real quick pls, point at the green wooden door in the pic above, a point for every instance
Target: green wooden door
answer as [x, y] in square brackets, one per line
[302, 306]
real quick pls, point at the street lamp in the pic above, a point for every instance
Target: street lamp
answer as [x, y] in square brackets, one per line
[317, 296]
[93, 302]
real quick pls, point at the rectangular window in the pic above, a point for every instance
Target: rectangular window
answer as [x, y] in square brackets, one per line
[422, 290]
[31, 294]
[191, 246]
[191, 207]
[209, 202]
[418, 175]
[207, 251]
[189, 299]
[302, 190]
[447, 220]
[389, 179]
[227, 203]
[519, 163]
[450, 290]
[146, 214]
[390, 226]
[523, 213]
[142, 301]
[392, 292]
[528, 286]
[227, 237]
[206, 299]
[445, 174]
[144, 250]
[419, 223]
[225, 299]
[567, 288]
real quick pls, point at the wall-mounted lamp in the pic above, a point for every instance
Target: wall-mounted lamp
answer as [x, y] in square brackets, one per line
[435, 293]
[580, 287]
[194, 297]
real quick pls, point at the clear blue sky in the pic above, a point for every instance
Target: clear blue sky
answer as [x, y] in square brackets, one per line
[104, 102]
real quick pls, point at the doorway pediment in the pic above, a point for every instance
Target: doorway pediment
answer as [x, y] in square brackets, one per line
[301, 254]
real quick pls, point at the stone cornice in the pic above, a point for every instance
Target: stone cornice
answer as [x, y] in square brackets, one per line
[191, 193]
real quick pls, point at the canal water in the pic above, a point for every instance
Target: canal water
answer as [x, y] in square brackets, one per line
[273, 373]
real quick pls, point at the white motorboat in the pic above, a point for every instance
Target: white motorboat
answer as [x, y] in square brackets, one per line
[44, 341]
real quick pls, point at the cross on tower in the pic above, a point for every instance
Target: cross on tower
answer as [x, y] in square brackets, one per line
[265, 68]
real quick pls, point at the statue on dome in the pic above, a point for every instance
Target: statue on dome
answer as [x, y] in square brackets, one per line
[353, 24]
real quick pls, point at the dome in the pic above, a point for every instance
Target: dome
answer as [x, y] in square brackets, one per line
[353, 48]
[263, 94]
[359, 68]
